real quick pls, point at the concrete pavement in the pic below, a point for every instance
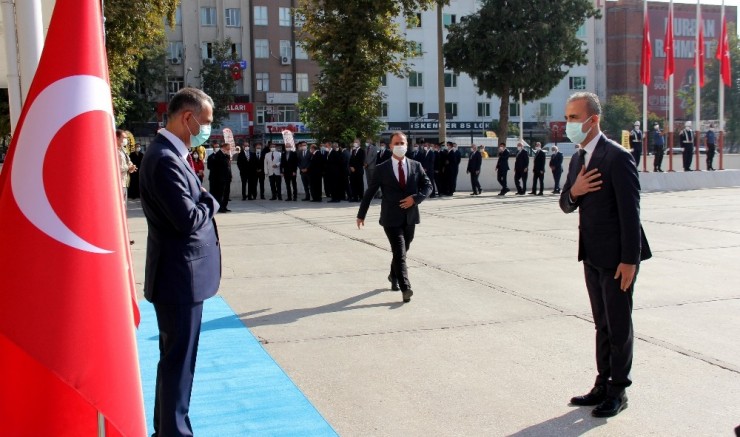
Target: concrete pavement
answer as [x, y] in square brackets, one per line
[498, 335]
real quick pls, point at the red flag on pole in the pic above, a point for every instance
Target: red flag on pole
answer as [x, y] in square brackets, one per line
[669, 63]
[68, 312]
[647, 52]
[700, 48]
[723, 54]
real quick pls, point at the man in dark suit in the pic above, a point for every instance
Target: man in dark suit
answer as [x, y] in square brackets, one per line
[427, 161]
[220, 176]
[474, 164]
[603, 185]
[183, 259]
[289, 168]
[440, 168]
[357, 171]
[335, 170]
[243, 164]
[521, 169]
[453, 167]
[316, 173]
[405, 185]
[304, 160]
[686, 140]
[260, 169]
[556, 167]
[136, 156]
[538, 169]
[502, 168]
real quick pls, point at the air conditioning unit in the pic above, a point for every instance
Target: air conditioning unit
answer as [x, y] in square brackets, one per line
[284, 60]
[175, 61]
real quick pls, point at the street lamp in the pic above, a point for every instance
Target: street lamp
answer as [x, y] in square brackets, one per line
[189, 69]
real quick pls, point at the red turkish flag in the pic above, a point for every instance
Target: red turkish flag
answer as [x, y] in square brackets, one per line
[670, 66]
[701, 54]
[723, 54]
[68, 311]
[647, 52]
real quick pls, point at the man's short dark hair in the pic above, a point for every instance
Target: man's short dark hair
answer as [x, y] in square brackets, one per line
[593, 106]
[188, 99]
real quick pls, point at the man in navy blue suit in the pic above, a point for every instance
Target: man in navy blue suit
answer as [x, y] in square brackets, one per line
[603, 185]
[183, 259]
[405, 185]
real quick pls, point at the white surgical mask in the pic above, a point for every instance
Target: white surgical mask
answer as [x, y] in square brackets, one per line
[574, 131]
[125, 142]
[400, 151]
[272, 149]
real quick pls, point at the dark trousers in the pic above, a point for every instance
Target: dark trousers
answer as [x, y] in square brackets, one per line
[474, 176]
[306, 181]
[637, 153]
[357, 185]
[400, 238]
[432, 179]
[520, 175]
[451, 182]
[501, 178]
[245, 179]
[291, 187]
[316, 194]
[556, 176]
[276, 187]
[179, 331]
[261, 182]
[688, 157]
[252, 186]
[538, 176]
[221, 190]
[612, 313]
[658, 160]
[710, 158]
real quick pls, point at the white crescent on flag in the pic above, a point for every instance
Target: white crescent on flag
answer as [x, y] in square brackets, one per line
[70, 97]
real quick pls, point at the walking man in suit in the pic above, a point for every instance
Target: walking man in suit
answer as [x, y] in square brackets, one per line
[272, 170]
[405, 185]
[304, 160]
[474, 164]
[502, 168]
[556, 167]
[289, 168]
[183, 259]
[538, 170]
[220, 176]
[603, 185]
[521, 169]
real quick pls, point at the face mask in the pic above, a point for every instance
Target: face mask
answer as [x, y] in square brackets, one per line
[382, 148]
[125, 142]
[204, 132]
[574, 131]
[399, 151]
[195, 157]
[258, 150]
[416, 148]
[138, 149]
[272, 149]
[426, 148]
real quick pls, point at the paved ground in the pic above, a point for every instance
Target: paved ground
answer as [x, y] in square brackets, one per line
[498, 335]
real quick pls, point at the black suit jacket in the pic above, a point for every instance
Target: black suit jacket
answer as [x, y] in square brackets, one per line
[383, 156]
[556, 162]
[289, 163]
[357, 161]
[317, 164]
[418, 185]
[609, 230]
[427, 160]
[539, 161]
[503, 161]
[220, 168]
[475, 161]
[243, 164]
[522, 161]
[183, 256]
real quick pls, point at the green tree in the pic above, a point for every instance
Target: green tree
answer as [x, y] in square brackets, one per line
[355, 42]
[217, 81]
[131, 26]
[518, 47]
[619, 113]
[146, 86]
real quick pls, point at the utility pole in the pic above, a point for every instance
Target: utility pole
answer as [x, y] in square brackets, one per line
[441, 77]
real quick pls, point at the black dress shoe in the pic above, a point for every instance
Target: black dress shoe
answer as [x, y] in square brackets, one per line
[610, 407]
[394, 284]
[407, 295]
[594, 397]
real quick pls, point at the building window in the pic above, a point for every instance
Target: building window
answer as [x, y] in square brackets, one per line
[451, 109]
[174, 84]
[417, 51]
[263, 81]
[301, 82]
[285, 17]
[261, 49]
[545, 109]
[384, 80]
[450, 80]
[416, 109]
[384, 109]
[260, 116]
[174, 50]
[260, 15]
[286, 82]
[233, 17]
[581, 32]
[484, 109]
[207, 16]
[448, 19]
[514, 109]
[415, 79]
[283, 114]
[577, 82]
[236, 50]
[206, 49]
[300, 52]
[285, 49]
[414, 20]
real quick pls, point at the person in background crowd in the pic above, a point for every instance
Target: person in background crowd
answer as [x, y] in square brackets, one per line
[316, 170]
[259, 169]
[335, 173]
[357, 171]
[474, 165]
[482, 151]
[521, 168]
[304, 160]
[289, 168]
[272, 170]
[686, 139]
[538, 169]
[502, 168]
[453, 165]
[711, 145]
[133, 185]
[636, 143]
[198, 166]
[219, 178]
[242, 163]
[214, 148]
[658, 148]
[371, 159]
[346, 155]
[556, 167]
[427, 161]
[440, 169]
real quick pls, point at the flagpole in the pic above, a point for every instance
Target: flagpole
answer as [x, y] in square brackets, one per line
[15, 100]
[521, 117]
[721, 99]
[697, 85]
[645, 128]
[101, 424]
[670, 96]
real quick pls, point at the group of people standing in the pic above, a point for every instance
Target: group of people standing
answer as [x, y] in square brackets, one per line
[521, 169]
[686, 140]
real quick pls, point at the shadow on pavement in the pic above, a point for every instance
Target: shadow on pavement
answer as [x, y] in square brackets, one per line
[574, 423]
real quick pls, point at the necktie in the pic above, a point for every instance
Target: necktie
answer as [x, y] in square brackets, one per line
[190, 161]
[581, 158]
[401, 175]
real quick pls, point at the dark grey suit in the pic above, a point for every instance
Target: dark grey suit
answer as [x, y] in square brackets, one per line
[609, 234]
[183, 268]
[398, 223]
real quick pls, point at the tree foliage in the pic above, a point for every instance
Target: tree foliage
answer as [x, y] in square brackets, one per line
[147, 85]
[354, 42]
[217, 81]
[619, 113]
[524, 46]
[131, 26]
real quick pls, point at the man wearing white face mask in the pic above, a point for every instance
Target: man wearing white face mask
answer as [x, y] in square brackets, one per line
[405, 185]
[603, 185]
